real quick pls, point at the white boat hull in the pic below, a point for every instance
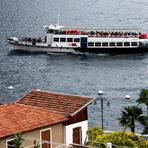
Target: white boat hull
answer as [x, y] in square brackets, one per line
[43, 48]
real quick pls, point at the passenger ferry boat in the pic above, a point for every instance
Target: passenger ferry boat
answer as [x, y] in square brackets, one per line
[60, 39]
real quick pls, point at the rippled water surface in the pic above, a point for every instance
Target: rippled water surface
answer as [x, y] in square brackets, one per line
[116, 75]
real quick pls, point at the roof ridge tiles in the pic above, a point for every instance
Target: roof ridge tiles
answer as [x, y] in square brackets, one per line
[65, 94]
[24, 95]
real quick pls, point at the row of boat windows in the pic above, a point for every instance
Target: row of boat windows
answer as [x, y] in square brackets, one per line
[66, 39]
[92, 44]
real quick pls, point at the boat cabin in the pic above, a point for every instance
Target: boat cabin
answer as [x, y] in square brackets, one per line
[60, 36]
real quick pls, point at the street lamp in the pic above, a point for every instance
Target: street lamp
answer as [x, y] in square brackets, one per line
[100, 93]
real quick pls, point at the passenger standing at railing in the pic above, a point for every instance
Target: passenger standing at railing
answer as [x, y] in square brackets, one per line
[39, 40]
[45, 39]
[29, 39]
[34, 41]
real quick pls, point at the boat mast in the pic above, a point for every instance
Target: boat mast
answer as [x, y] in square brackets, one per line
[58, 20]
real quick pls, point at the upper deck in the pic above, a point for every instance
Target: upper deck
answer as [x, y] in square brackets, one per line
[99, 32]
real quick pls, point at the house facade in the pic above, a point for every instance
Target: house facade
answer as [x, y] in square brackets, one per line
[52, 119]
[33, 124]
[53, 133]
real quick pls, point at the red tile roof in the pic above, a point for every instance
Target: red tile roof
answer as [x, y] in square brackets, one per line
[63, 103]
[16, 118]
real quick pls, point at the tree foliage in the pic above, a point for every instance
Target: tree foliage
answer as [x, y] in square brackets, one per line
[129, 115]
[144, 122]
[143, 97]
[17, 140]
[97, 138]
[36, 145]
[94, 132]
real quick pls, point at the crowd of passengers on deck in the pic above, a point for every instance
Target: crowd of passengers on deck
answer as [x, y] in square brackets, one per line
[114, 34]
[32, 40]
[100, 33]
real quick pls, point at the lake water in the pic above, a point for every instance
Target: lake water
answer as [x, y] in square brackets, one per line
[116, 75]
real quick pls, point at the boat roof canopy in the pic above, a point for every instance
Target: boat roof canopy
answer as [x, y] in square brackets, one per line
[99, 28]
[53, 27]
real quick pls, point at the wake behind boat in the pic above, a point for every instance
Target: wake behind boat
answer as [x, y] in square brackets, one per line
[61, 39]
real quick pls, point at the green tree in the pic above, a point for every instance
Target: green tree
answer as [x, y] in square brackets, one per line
[97, 138]
[94, 132]
[18, 140]
[145, 130]
[144, 122]
[143, 98]
[129, 115]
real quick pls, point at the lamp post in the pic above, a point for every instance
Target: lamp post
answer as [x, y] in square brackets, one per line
[100, 93]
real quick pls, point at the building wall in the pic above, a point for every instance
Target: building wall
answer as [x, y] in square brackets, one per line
[79, 117]
[69, 131]
[2, 145]
[29, 137]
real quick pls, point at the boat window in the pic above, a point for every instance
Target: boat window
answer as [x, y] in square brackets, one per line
[119, 44]
[140, 43]
[134, 44]
[56, 39]
[112, 44]
[56, 31]
[98, 44]
[105, 44]
[76, 40]
[50, 31]
[63, 39]
[69, 39]
[126, 43]
[90, 43]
